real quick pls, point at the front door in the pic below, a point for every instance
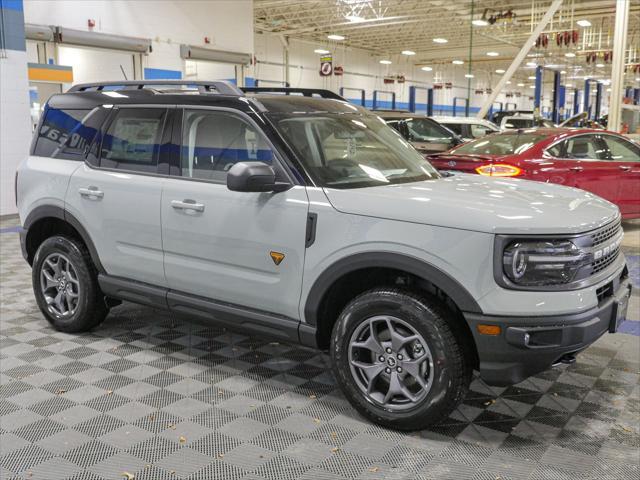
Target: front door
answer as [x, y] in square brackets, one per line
[234, 247]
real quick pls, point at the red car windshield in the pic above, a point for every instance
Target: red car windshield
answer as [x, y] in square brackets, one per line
[501, 144]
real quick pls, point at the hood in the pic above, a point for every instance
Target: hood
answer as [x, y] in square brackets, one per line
[482, 204]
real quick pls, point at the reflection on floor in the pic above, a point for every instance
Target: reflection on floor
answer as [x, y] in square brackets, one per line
[161, 398]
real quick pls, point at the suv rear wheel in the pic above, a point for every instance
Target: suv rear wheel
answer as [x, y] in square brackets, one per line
[397, 359]
[66, 287]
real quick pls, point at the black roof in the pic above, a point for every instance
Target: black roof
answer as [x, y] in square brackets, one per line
[280, 100]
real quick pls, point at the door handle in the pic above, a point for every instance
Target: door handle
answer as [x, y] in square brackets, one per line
[187, 205]
[92, 193]
[576, 169]
[626, 168]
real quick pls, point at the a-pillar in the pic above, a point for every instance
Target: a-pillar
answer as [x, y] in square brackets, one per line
[15, 120]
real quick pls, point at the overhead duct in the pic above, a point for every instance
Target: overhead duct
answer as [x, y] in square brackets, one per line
[103, 40]
[190, 52]
[42, 33]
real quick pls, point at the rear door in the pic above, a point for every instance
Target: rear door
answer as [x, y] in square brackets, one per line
[116, 194]
[624, 156]
[593, 172]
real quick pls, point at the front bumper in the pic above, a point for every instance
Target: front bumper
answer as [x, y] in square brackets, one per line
[529, 345]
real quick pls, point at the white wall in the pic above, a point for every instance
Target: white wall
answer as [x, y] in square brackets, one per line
[363, 70]
[15, 123]
[169, 23]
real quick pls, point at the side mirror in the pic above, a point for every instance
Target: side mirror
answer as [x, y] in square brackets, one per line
[254, 177]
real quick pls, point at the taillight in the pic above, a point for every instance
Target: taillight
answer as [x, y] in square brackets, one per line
[499, 170]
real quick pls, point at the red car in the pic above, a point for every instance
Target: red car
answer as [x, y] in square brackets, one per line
[601, 162]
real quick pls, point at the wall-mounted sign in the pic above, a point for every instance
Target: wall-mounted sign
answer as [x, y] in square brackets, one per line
[338, 70]
[326, 65]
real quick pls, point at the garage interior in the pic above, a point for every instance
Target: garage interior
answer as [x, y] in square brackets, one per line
[150, 395]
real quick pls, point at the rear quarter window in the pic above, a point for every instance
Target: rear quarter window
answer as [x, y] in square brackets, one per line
[62, 134]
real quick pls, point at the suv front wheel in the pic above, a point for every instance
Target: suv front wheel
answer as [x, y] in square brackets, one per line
[66, 287]
[397, 359]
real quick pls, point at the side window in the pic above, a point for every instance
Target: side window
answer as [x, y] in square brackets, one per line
[132, 140]
[455, 127]
[212, 142]
[478, 130]
[583, 148]
[556, 150]
[621, 150]
[61, 134]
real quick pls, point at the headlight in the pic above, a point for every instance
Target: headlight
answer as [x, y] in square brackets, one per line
[538, 262]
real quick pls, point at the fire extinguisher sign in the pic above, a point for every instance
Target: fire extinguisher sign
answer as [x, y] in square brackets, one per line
[326, 66]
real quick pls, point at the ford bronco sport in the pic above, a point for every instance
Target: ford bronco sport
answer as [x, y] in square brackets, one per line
[307, 218]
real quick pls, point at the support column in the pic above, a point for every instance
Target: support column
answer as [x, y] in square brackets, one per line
[15, 118]
[596, 113]
[557, 103]
[587, 97]
[537, 96]
[617, 64]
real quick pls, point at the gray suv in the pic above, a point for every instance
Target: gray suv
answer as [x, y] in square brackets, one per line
[301, 216]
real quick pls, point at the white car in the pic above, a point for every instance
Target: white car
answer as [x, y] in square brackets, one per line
[311, 220]
[525, 120]
[468, 128]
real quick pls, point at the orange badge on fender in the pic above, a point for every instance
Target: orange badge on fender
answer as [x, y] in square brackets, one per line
[277, 257]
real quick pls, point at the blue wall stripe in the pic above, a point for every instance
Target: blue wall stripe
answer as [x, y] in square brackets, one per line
[162, 74]
[437, 109]
[12, 26]
[12, 5]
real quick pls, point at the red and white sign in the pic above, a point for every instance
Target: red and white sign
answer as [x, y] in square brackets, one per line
[338, 70]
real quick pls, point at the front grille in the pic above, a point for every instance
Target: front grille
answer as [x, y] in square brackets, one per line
[605, 233]
[605, 248]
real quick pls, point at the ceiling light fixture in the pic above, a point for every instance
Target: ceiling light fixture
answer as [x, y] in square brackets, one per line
[458, 62]
[508, 82]
[468, 75]
[426, 69]
[499, 70]
[408, 52]
[584, 23]
[532, 86]
[354, 18]
[600, 65]
[385, 62]
[563, 72]
[321, 51]
[531, 64]
[440, 40]
[480, 22]
[569, 54]
[492, 54]
[521, 84]
[532, 77]
[335, 37]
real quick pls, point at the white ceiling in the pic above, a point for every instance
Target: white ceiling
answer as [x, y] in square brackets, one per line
[386, 27]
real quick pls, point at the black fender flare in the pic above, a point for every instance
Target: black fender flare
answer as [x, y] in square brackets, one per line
[53, 211]
[415, 266]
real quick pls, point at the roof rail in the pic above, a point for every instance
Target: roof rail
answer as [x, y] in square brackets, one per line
[307, 92]
[216, 86]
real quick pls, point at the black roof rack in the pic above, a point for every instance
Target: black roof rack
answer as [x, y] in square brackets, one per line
[217, 86]
[307, 92]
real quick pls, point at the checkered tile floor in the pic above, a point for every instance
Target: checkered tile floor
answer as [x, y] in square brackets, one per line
[147, 396]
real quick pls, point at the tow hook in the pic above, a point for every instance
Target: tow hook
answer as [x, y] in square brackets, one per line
[567, 359]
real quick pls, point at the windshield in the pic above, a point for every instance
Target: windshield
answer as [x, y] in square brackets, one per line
[352, 150]
[422, 129]
[501, 144]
